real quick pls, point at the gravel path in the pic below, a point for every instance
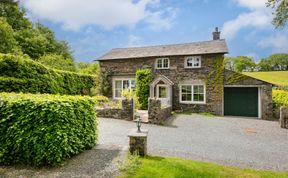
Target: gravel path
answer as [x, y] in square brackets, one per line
[230, 141]
[100, 162]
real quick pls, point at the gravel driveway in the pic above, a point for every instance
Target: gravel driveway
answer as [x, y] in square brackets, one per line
[230, 141]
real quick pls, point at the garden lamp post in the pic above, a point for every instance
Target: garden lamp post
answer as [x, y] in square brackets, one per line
[138, 123]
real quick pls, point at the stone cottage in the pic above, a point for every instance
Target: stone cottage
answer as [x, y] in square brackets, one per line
[190, 77]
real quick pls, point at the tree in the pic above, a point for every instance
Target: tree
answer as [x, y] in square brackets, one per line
[281, 12]
[88, 68]
[57, 62]
[275, 62]
[8, 43]
[239, 63]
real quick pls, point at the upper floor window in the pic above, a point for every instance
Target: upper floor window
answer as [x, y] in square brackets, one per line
[193, 62]
[162, 63]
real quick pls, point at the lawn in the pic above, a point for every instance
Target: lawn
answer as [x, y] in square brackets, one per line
[275, 77]
[160, 167]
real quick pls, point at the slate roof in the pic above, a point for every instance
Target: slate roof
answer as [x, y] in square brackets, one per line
[205, 47]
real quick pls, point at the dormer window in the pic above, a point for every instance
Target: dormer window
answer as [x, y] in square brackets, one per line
[193, 62]
[162, 63]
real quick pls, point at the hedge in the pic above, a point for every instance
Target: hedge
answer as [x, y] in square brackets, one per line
[280, 98]
[143, 80]
[19, 74]
[42, 129]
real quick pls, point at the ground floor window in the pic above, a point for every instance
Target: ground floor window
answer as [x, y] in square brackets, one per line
[190, 93]
[121, 84]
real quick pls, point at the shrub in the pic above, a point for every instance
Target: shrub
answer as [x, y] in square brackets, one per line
[143, 80]
[32, 77]
[280, 98]
[45, 129]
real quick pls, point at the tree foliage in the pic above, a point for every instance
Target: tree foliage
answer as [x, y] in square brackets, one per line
[275, 62]
[239, 63]
[33, 40]
[280, 13]
[8, 43]
[57, 62]
[143, 80]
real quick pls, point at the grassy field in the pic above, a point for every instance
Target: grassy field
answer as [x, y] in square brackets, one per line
[157, 167]
[275, 77]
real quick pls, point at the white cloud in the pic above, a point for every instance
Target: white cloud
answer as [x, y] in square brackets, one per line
[258, 17]
[134, 40]
[74, 14]
[278, 42]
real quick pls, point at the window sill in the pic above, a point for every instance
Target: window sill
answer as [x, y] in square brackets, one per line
[161, 68]
[192, 67]
[190, 102]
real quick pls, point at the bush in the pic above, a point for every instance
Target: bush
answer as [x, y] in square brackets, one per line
[143, 80]
[45, 129]
[280, 98]
[32, 77]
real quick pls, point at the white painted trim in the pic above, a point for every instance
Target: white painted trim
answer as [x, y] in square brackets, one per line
[113, 85]
[193, 58]
[192, 88]
[162, 59]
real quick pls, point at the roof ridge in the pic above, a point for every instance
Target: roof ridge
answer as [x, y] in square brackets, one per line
[175, 44]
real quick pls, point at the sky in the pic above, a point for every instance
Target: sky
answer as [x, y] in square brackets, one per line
[93, 27]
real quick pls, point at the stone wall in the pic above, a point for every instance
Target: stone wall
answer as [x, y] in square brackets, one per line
[176, 73]
[284, 117]
[156, 114]
[124, 113]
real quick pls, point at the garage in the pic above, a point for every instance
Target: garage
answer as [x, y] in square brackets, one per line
[241, 101]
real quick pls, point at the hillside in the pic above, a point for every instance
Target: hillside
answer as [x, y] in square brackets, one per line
[275, 77]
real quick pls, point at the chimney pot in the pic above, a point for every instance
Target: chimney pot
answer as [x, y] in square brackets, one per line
[216, 34]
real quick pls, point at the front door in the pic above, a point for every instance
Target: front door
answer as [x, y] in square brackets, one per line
[163, 94]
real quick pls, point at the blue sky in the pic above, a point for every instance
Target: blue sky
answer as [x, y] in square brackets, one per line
[93, 27]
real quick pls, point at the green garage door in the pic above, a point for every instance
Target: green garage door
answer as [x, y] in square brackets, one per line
[241, 101]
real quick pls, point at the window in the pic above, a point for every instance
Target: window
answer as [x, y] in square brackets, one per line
[192, 93]
[162, 63]
[121, 84]
[193, 62]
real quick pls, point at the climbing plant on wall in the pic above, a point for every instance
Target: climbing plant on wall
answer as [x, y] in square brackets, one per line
[143, 80]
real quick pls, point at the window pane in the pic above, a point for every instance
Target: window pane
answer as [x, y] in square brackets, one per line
[165, 61]
[125, 84]
[198, 89]
[118, 84]
[118, 93]
[162, 92]
[159, 63]
[196, 62]
[133, 84]
[198, 97]
[189, 62]
[186, 89]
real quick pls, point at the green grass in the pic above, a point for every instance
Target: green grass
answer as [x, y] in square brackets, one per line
[275, 77]
[160, 167]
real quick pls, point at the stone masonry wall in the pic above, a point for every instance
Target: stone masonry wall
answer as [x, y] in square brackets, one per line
[176, 73]
[156, 114]
[124, 113]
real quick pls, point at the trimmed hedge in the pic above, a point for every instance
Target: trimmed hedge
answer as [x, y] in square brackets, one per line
[24, 75]
[280, 98]
[45, 129]
[143, 80]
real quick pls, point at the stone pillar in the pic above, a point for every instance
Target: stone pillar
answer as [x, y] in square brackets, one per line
[128, 109]
[154, 108]
[284, 117]
[138, 142]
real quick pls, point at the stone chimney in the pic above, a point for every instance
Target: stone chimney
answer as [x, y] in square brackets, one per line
[216, 34]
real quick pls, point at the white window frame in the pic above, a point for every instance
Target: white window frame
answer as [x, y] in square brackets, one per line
[121, 79]
[167, 92]
[193, 61]
[192, 94]
[162, 63]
